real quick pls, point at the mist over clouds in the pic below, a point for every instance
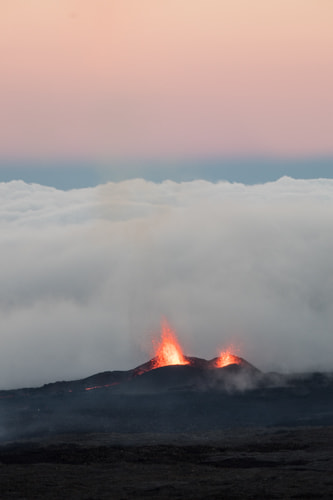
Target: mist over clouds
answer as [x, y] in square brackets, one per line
[86, 275]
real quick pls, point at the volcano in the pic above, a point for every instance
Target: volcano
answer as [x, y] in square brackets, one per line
[128, 427]
[195, 373]
[171, 392]
[168, 370]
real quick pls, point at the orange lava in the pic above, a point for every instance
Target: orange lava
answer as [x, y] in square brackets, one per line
[99, 386]
[226, 358]
[167, 350]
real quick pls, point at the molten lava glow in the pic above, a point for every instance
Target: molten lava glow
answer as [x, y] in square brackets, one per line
[167, 350]
[226, 358]
[99, 386]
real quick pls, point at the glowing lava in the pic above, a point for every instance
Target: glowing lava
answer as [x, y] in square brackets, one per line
[226, 358]
[99, 386]
[167, 350]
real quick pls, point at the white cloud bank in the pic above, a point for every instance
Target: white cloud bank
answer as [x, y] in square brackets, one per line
[86, 275]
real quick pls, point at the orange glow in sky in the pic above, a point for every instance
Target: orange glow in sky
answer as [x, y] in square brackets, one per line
[166, 78]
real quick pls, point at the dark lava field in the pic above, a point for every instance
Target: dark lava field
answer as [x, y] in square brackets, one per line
[171, 432]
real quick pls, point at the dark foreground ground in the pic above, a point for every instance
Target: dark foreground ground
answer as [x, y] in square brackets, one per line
[250, 462]
[174, 432]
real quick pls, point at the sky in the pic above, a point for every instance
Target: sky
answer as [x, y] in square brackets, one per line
[106, 80]
[88, 273]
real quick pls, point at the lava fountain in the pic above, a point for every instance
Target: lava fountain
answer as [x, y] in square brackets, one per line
[226, 358]
[167, 349]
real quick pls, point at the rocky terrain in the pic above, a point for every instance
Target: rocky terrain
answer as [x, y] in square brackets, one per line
[257, 463]
[187, 431]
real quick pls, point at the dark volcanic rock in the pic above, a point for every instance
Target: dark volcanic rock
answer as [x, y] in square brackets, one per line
[244, 463]
[166, 378]
[198, 374]
[195, 397]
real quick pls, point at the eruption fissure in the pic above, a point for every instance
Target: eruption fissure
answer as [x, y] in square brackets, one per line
[100, 386]
[226, 358]
[167, 350]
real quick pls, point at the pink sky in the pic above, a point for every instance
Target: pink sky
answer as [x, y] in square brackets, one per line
[146, 78]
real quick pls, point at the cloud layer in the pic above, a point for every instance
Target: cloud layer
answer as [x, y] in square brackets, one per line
[86, 275]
